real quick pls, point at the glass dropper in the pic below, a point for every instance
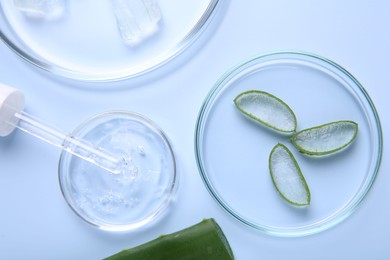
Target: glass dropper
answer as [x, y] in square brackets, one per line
[12, 116]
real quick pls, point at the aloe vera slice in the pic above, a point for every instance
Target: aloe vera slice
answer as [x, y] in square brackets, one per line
[267, 110]
[287, 176]
[325, 139]
[204, 240]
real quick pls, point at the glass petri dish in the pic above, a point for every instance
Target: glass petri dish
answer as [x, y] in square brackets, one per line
[232, 152]
[85, 43]
[133, 198]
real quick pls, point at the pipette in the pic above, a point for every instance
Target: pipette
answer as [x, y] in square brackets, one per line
[12, 116]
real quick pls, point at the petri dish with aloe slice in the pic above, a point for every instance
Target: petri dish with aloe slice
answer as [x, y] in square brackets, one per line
[92, 40]
[232, 151]
[137, 195]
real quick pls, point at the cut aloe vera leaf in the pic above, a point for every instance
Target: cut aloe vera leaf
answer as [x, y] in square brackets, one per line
[287, 176]
[204, 240]
[325, 139]
[267, 110]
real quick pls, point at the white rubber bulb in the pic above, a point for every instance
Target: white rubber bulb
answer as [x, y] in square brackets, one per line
[11, 102]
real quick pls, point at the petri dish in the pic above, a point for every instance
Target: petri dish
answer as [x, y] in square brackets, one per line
[84, 42]
[132, 198]
[232, 152]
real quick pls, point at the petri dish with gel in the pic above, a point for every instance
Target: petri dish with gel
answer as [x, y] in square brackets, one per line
[102, 40]
[135, 196]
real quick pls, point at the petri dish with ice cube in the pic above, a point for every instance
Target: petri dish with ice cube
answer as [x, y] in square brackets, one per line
[137, 195]
[232, 152]
[102, 40]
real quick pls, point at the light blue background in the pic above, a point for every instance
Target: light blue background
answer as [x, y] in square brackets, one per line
[36, 223]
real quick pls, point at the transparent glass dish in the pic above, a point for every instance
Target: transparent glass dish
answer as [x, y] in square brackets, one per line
[84, 43]
[232, 152]
[133, 198]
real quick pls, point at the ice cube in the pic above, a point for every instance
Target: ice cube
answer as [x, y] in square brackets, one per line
[41, 8]
[136, 19]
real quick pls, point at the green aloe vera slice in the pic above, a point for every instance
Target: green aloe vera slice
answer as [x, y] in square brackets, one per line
[287, 176]
[267, 110]
[325, 139]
